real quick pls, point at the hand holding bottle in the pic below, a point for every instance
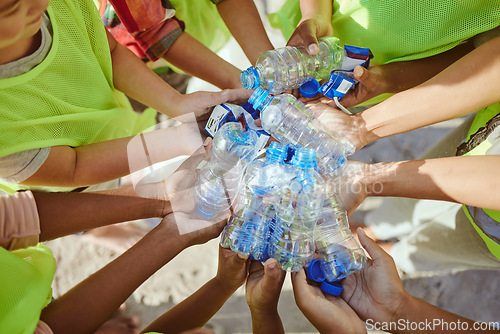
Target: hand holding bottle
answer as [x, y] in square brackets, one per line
[329, 314]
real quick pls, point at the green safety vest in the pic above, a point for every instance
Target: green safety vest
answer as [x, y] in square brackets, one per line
[69, 98]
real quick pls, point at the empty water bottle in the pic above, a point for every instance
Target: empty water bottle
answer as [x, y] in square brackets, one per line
[218, 181]
[290, 121]
[339, 252]
[291, 242]
[247, 232]
[287, 68]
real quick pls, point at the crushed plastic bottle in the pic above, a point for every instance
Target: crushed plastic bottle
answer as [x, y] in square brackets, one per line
[290, 121]
[339, 252]
[247, 232]
[287, 68]
[218, 181]
[291, 242]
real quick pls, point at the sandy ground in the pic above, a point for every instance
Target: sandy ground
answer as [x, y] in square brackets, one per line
[456, 291]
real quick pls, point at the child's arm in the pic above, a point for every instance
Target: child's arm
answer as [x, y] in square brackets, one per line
[468, 85]
[190, 55]
[243, 20]
[198, 308]
[136, 80]
[316, 22]
[63, 214]
[85, 307]
[100, 162]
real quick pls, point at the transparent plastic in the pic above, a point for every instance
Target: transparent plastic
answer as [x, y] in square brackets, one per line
[218, 181]
[290, 121]
[248, 232]
[339, 252]
[291, 241]
[287, 68]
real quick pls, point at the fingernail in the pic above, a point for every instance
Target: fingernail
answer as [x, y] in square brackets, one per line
[313, 49]
[271, 265]
[205, 143]
[358, 71]
[243, 257]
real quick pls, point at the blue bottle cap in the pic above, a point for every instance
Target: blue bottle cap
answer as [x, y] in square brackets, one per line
[249, 78]
[309, 89]
[333, 289]
[314, 271]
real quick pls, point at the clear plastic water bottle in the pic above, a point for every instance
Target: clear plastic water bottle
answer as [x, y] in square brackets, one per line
[247, 232]
[218, 181]
[290, 121]
[287, 68]
[339, 252]
[291, 242]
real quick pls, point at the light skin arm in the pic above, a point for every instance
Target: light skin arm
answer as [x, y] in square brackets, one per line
[199, 308]
[202, 62]
[471, 180]
[68, 213]
[243, 20]
[377, 293]
[100, 162]
[145, 86]
[466, 86]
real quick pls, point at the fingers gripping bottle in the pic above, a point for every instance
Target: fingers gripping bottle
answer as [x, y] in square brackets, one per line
[290, 121]
[291, 241]
[287, 68]
[247, 232]
[218, 181]
[339, 252]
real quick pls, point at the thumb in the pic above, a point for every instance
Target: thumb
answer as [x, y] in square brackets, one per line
[374, 250]
[272, 276]
[361, 73]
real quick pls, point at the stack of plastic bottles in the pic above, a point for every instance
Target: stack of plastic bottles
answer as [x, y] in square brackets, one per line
[284, 209]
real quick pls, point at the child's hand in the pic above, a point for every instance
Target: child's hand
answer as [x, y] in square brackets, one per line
[307, 32]
[376, 292]
[264, 286]
[233, 269]
[329, 314]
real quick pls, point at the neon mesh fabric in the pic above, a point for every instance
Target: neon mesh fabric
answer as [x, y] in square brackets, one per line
[399, 30]
[25, 279]
[203, 22]
[69, 98]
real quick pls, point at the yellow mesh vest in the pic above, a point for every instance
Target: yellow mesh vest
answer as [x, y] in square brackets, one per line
[482, 117]
[69, 98]
[25, 279]
[397, 30]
